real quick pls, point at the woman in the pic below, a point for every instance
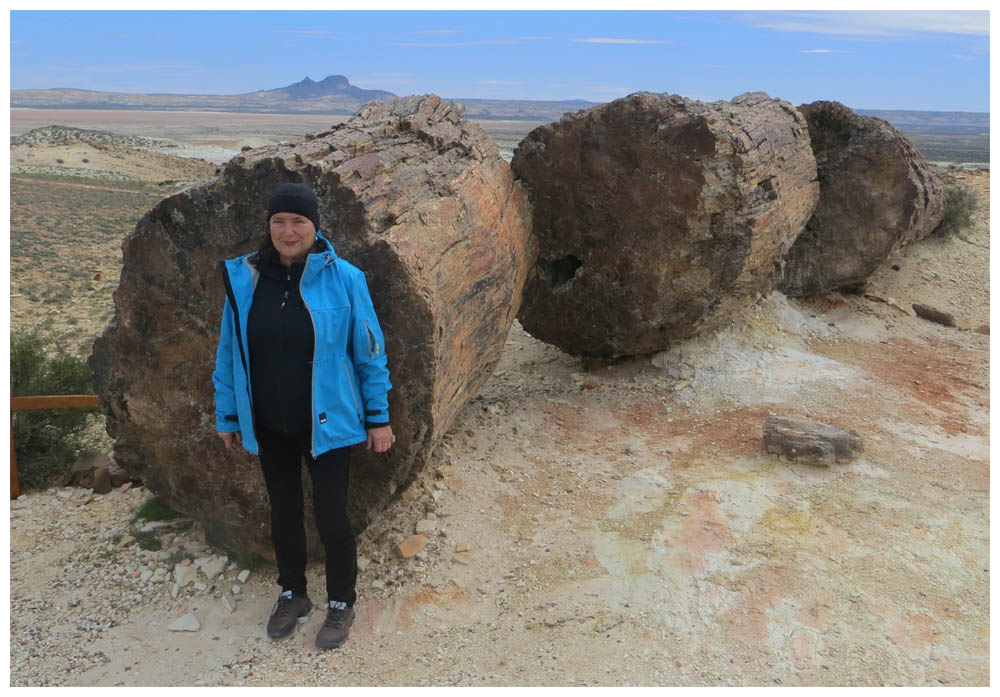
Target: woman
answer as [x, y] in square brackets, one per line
[301, 373]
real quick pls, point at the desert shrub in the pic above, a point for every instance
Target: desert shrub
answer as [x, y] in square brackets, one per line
[244, 558]
[146, 540]
[47, 441]
[960, 207]
[155, 509]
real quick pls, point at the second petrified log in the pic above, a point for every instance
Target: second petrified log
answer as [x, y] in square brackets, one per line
[411, 193]
[658, 216]
[877, 194]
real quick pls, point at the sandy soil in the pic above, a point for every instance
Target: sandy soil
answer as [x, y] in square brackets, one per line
[624, 525]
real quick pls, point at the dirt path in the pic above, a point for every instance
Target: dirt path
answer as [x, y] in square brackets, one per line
[624, 526]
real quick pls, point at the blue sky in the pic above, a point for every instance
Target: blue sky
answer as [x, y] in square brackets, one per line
[868, 60]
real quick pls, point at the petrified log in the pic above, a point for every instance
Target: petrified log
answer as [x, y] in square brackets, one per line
[411, 193]
[658, 216]
[876, 195]
[810, 441]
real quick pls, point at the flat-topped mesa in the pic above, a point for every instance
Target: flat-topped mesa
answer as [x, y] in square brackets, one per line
[411, 193]
[877, 194]
[659, 216]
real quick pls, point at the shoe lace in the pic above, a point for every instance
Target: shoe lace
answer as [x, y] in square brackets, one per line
[335, 619]
[282, 607]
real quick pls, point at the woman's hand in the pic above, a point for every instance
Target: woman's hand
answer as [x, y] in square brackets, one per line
[380, 439]
[230, 438]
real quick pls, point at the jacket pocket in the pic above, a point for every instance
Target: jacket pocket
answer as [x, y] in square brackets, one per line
[354, 394]
[373, 347]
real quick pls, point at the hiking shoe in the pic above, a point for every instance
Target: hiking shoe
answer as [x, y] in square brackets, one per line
[287, 609]
[335, 627]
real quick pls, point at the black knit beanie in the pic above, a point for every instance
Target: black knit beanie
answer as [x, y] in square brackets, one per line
[294, 198]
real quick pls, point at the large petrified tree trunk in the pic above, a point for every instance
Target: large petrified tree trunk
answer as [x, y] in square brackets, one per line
[876, 195]
[658, 216]
[409, 192]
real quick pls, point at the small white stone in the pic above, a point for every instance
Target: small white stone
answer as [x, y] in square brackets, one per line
[426, 527]
[185, 623]
[214, 566]
[236, 590]
[243, 576]
[145, 575]
[184, 574]
[228, 604]
[199, 586]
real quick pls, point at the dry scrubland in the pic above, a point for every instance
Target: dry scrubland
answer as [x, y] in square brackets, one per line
[624, 526]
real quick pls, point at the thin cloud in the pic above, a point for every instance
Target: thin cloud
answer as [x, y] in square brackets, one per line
[873, 24]
[610, 40]
[817, 50]
[439, 32]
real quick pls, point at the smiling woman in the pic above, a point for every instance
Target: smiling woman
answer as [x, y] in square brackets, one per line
[299, 354]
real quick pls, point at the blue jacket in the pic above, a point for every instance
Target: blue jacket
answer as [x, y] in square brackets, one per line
[350, 379]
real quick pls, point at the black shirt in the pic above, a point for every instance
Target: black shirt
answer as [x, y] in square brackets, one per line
[281, 338]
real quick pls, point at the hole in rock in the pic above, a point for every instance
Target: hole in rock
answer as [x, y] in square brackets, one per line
[561, 271]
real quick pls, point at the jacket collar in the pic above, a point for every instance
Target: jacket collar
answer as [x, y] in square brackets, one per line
[316, 261]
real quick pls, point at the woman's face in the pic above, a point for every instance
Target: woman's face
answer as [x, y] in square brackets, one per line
[293, 235]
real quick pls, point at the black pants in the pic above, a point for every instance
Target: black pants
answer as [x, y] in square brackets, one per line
[281, 457]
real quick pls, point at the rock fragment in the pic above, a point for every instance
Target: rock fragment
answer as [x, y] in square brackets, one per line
[214, 566]
[932, 315]
[810, 441]
[184, 574]
[228, 603]
[411, 546]
[659, 216]
[427, 527]
[185, 623]
[243, 576]
[877, 193]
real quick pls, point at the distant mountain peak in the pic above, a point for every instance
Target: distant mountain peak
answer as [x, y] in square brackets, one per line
[307, 88]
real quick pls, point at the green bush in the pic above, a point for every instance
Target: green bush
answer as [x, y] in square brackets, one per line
[146, 540]
[155, 509]
[960, 207]
[47, 441]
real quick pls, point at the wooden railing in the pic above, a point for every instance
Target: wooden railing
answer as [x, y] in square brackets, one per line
[46, 402]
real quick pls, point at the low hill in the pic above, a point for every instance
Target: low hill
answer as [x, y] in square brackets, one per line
[100, 154]
[333, 94]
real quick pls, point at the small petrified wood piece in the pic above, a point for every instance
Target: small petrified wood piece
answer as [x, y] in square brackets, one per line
[931, 315]
[810, 441]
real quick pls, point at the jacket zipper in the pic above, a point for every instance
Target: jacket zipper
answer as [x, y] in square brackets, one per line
[312, 367]
[354, 395]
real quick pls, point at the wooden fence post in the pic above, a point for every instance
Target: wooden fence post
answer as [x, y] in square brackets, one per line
[46, 402]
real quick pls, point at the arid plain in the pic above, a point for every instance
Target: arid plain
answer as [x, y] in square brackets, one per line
[623, 524]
